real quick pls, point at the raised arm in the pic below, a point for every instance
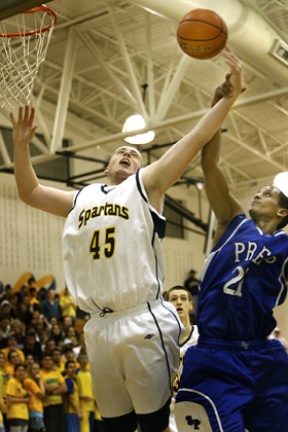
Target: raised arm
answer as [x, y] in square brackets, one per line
[45, 198]
[162, 174]
[224, 205]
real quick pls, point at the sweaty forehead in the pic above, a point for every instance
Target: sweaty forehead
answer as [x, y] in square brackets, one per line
[270, 188]
[133, 149]
[178, 293]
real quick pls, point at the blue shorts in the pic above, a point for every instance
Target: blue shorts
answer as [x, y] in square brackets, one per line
[233, 387]
[72, 423]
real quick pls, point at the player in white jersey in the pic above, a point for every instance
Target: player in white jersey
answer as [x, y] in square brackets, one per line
[114, 270]
[181, 298]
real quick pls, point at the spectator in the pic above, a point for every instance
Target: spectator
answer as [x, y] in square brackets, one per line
[5, 309]
[55, 387]
[24, 313]
[66, 323]
[32, 347]
[3, 340]
[12, 346]
[41, 294]
[5, 325]
[11, 361]
[18, 328]
[35, 386]
[50, 307]
[56, 334]
[49, 346]
[72, 409]
[33, 297]
[58, 360]
[87, 400]
[29, 360]
[17, 400]
[68, 305]
[2, 413]
[3, 376]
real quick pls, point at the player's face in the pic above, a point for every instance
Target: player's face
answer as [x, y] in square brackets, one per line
[180, 299]
[265, 204]
[124, 162]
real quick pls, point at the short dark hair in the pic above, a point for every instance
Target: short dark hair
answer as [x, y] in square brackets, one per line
[68, 362]
[18, 365]
[283, 202]
[179, 287]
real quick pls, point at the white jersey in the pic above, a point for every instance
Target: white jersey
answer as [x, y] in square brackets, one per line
[112, 247]
[190, 341]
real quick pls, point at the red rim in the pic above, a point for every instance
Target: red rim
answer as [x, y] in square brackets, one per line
[34, 32]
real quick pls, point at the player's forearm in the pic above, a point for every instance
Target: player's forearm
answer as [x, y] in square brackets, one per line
[26, 179]
[172, 165]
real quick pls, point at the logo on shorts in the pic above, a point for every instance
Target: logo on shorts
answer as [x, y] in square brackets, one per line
[149, 336]
[191, 422]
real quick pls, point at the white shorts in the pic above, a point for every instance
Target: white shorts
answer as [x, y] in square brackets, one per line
[134, 357]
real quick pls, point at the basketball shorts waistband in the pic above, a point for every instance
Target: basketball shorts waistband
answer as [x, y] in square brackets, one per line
[233, 345]
[143, 307]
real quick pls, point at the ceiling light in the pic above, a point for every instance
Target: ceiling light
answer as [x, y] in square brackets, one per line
[281, 182]
[134, 123]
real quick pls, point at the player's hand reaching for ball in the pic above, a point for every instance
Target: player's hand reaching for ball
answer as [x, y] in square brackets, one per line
[235, 75]
[233, 85]
[23, 128]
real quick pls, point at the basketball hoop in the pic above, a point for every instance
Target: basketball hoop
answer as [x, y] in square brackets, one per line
[24, 39]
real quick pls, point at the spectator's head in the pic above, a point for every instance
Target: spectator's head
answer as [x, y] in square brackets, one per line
[53, 320]
[20, 371]
[12, 340]
[50, 345]
[56, 356]
[47, 362]
[50, 294]
[82, 360]
[67, 322]
[70, 368]
[69, 353]
[29, 360]
[32, 292]
[30, 339]
[5, 308]
[13, 357]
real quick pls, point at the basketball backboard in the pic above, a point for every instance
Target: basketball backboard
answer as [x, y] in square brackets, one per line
[12, 7]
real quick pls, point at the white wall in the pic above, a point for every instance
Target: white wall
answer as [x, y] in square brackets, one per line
[30, 239]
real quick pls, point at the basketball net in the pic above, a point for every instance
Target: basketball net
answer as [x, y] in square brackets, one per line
[24, 40]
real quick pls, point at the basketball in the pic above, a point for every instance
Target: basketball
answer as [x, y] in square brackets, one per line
[202, 34]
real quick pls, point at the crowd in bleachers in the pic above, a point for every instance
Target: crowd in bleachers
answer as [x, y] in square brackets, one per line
[45, 380]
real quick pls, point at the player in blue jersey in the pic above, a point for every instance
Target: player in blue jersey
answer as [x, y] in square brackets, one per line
[236, 378]
[114, 267]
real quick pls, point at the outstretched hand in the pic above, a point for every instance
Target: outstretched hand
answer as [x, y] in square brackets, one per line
[233, 81]
[23, 129]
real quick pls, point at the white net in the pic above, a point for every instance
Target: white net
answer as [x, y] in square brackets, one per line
[23, 45]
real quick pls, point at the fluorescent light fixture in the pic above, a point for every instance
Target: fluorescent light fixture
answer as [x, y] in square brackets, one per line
[281, 182]
[133, 123]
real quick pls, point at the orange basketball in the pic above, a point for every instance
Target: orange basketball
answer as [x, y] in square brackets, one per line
[202, 34]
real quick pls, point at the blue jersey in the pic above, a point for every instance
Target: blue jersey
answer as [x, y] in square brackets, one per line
[244, 278]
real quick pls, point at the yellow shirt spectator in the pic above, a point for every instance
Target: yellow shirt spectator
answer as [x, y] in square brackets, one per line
[17, 396]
